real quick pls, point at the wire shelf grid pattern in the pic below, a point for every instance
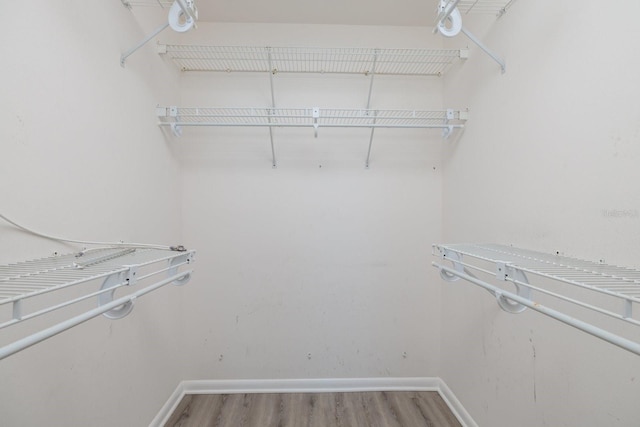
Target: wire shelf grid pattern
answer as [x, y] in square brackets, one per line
[307, 117]
[165, 4]
[31, 278]
[407, 62]
[465, 6]
[35, 288]
[620, 282]
[495, 7]
[607, 290]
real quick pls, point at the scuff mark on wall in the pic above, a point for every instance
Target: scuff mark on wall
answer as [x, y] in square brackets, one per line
[533, 348]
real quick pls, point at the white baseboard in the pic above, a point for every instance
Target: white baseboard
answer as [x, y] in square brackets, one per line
[455, 405]
[324, 385]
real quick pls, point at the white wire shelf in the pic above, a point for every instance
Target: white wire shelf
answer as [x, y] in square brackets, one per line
[465, 6]
[43, 291]
[494, 7]
[309, 117]
[165, 4]
[178, 117]
[400, 62]
[610, 291]
[449, 20]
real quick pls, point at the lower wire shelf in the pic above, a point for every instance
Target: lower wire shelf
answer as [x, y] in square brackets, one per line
[44, 297]
[610, 292]
[309, 117]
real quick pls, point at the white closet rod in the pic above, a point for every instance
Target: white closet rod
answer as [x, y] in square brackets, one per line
[299, 125]
[40, 336]
[598, 288]
[35, 288]
[569, 320]
[574, 301]
[309, 117]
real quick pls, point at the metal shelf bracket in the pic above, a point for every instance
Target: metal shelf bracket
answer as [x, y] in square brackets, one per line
[315, 113]
[113, 282]
[183, 15]
[449, 14]
[174, 263]
[505, 272]
[448, 129]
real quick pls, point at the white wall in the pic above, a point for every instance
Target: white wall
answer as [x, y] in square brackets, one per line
[320, 268]
[317, 268]
[81, 157]
[549, 153]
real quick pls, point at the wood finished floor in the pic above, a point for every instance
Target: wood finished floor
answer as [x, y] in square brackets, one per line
[366, 409]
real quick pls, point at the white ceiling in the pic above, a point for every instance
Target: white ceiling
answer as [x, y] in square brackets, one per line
[339, 12]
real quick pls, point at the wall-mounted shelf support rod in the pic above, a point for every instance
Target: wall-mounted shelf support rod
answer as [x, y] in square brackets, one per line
[272, 71]
[373, 73]
[182, 17]
[493, 55]
[128, 53]
[373, 129]
[273, 150]
[448, 12]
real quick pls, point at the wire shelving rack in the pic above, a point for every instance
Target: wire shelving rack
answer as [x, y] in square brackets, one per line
[259, 59]
[494, 7]
[308, 117]
[563, 286]
[50, 295]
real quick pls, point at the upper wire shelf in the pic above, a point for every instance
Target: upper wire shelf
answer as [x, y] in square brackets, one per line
[608, 290]
[401, 62]
[496, 7]
[165, 4]
[64, 286]
[465, 6]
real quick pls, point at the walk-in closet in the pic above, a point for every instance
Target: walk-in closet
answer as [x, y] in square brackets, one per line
[295, 213]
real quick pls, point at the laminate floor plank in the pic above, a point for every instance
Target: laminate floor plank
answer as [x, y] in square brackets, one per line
[407, 412]
[202, 411]
[350, 410]
[380, 414]
[295, 410]
[353, 409]
[323, 410]
[436, 409]
[265, 410]
[234, 410]
[181, 412]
